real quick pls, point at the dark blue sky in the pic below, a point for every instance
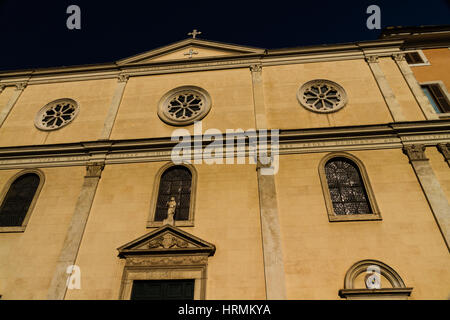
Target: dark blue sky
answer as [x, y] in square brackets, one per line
[34, 33]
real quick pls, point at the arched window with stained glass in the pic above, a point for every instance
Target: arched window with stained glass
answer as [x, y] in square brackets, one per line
[347, 191]
[175, 182]
[18, 199]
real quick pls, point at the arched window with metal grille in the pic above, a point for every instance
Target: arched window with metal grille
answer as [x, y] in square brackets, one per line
[18, 200]
[346, 187]
[176, 181]
[347, 191]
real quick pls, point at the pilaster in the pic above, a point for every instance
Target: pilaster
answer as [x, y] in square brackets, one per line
[114, 107]
[432, 189]
[416, 90]
[72, 242]
[444, 148]
[20, 87]
[258, 96]
[388, 95]
[270, 226]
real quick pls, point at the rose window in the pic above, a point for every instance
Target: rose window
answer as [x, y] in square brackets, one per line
[322, 96]
[183, 106]
[56, 114]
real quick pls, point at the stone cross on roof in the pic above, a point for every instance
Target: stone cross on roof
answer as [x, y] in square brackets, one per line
[194, 33]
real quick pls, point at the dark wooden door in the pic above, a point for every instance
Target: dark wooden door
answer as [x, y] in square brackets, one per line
[162, 290]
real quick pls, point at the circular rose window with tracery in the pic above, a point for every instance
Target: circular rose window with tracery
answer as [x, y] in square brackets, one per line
[322, 96]
[56, 114]
[184, 105]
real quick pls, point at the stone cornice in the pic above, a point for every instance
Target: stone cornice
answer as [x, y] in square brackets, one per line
[241, 60]
[387, 136]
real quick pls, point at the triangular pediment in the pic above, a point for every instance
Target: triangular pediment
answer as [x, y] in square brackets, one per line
[166, 240]
[190, 49]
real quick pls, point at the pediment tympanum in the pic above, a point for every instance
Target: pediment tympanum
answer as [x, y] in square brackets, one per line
[167, 240]
[190, 49]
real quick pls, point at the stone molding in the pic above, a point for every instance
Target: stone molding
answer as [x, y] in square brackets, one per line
[266, 57]
[388, 136]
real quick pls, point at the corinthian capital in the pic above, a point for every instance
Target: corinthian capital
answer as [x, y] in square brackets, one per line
[372, 59]
[123, 77]
[444, 148]
[399, 56]
[256, 68]
[21, 85]
[94, 169]
[415, 152]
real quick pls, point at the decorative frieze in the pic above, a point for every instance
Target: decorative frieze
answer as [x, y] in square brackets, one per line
[153, 261]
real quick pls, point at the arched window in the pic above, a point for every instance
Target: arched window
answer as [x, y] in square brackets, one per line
[17, 202]
[175, 182]
[347, 191]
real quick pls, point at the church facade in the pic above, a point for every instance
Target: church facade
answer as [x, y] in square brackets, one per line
[353, 202]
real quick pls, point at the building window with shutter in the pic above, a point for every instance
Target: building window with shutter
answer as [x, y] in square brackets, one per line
[416, 58]
[18, 199]
[438, 96]
[346, 187]
[173, 183]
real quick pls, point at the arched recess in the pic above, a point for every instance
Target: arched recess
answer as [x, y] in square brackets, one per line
[365, 183]
[154, 197]
[5, 196]
[389, 285]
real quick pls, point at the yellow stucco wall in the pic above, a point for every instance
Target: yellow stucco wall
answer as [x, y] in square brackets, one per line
[317, 253]
[230, 91]
[28, 260]
[226, 215]
[365, 102]
[94, 98]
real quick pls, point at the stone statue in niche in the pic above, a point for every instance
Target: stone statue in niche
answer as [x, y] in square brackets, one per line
[171, 206]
